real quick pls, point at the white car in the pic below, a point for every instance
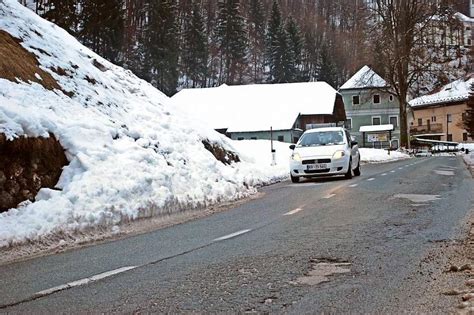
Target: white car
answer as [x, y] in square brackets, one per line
[422, 153]
[323, 152]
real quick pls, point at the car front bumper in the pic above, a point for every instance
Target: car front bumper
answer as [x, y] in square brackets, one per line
[319, 166]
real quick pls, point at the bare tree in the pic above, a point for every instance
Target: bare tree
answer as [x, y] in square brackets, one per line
[405, 35]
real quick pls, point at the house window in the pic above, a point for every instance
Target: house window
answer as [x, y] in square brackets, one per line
[355, 100]
[376, 99]
[420, 122]
[393, 121]
[390, 98]
[376, 120]
[349, 123]
[433, 118]
[450, 137]
[464, 116]
[468, 42]
[450, 118]
[281, 138]
[464, 136]
[240, 138]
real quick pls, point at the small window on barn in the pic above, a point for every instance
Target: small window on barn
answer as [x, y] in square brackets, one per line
[253, 138]
[376, 99]
[450, 137]
[464, 136]
[281, 138]
[468, 42]
[390, 98]
[450, 118]
[240, 138]
[420, 122]
[433, 118]
[355, 100]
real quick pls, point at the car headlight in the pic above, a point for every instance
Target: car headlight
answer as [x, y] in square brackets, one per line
[338, 154]
[296, 157]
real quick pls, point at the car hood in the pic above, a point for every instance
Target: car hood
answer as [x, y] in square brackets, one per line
[322, 150]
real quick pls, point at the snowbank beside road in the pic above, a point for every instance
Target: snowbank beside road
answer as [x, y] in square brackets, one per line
[130, 154]
[379, 155]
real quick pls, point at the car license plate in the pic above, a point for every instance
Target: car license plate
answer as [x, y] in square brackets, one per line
[320, 166]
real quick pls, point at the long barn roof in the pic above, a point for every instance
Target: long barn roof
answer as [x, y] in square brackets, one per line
[256, 107]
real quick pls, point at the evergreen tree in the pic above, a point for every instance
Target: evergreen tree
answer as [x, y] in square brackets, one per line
[195, 51]
[327, 67]
[278, 58]
[102, 27]
[161, 45]
[232, 42]
[256, 29]
[62, 13]
[295, 49]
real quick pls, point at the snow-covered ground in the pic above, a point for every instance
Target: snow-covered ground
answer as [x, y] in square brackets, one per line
[380, 155]
[130, 153]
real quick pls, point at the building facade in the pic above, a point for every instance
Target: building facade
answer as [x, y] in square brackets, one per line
[440, 116]
[368, 102]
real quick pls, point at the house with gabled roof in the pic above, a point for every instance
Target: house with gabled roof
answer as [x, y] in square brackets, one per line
[440, 115]
[263, 111]
[372, 111]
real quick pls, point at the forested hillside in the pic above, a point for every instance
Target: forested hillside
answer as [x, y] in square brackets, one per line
[176, 44]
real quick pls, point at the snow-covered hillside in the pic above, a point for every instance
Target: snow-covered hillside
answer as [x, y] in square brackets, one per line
[130, 154]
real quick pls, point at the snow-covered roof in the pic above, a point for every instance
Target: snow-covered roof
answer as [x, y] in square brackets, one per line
[463, 17]
[456, 91]
[256, 107]
[376, 128]
[364, 78]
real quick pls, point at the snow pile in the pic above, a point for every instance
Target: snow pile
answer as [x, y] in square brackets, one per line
[131, 154]
[380, 155]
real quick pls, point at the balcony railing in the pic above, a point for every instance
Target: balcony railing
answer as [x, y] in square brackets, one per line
[431, 128]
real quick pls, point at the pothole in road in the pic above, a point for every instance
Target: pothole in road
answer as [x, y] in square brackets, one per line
[321, 271]
[417, 198]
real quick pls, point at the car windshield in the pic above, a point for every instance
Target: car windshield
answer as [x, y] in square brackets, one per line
[321, 138]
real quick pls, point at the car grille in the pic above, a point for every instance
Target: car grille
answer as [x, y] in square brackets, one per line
[316, 161]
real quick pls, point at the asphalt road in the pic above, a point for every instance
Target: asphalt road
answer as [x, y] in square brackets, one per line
[325, 245]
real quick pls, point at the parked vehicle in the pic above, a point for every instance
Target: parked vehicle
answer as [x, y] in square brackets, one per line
[324, 152]
[423, 153]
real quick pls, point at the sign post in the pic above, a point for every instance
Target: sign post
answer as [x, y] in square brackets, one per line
[271, 145]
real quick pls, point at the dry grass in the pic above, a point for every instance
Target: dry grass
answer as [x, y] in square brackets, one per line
[16, 63]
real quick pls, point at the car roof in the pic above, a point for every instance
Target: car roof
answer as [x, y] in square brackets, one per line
[324, 129]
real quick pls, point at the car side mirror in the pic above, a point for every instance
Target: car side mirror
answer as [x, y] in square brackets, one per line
[354, 143]
[292, 147]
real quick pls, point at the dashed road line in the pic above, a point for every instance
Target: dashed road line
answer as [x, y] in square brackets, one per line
[371, 179]
[354, 185]
[232, 235]
[293, 211]
[329, 196]
[384, 174]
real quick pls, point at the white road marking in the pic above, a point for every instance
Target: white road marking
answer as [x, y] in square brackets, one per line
[392, 171]
[400, 168]
[293, 211]
[226, 237]
[329, 196]
[354, 185]
[371, 179]
[384, 174]
[445, 173]
[83, 281]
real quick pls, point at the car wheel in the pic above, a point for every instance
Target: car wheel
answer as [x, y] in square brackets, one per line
[357, 170]
[294, 179]
[349, 171]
